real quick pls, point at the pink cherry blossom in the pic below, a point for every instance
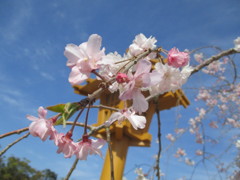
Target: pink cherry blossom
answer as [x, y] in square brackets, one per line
[171, 78]
[170, 137]
[142, 78]
[89, 146]
[83, 59]
[180, 152]
[65, 144]
[179, 130]
[213, 124]
[199, 139]
[189, 162]
[199, 152]
[136, 120]
[214, 67]
[198, 57]
[177, 59]
[140, 44]
[41, 126]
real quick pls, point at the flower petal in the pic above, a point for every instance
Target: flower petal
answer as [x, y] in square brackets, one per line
[73, 54]
[94, 44]
[142, 67]
[139, 102]
[76, 77]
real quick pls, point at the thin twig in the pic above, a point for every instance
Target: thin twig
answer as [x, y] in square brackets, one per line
[86, 119]
[159, 143]
[105, 107]
[18, 131]
[110, 152]
[13, 143]
[72, 169]
[75, 121]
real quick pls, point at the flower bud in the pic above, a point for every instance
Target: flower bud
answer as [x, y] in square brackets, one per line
[122, 78]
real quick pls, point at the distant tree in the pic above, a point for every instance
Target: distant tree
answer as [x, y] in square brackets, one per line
[14, 168]
[49, 175]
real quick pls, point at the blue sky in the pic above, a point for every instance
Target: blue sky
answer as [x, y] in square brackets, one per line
[33, 73]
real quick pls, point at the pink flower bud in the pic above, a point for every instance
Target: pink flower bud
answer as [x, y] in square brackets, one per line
[177, 59]
[122, 78]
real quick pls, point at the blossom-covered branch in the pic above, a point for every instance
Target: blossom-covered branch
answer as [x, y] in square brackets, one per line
[214, 58]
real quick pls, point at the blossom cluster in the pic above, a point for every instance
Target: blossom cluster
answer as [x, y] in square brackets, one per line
[141, 68]
[131, 77]
[43, 128]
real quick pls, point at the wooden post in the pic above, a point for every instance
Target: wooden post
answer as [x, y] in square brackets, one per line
[119, 150]
[123, 135]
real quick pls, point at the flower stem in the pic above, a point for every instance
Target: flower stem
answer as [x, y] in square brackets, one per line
[98, 75]
[86, 120]
[75, 121]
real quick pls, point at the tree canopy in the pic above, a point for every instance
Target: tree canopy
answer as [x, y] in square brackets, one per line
[13, 168]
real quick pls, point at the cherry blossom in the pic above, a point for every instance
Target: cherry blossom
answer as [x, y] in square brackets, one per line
[180, 152]
[83, 59]
[41, 126]
[141, 175]
[171, 78]
[189, 162]
[136, 120]
[142, 78]
[213, 124]
[237, 44]
[65, 144]
[198, 57]
[179, 130]
[177, 59]
[110, 65]
[140, 44]
[199, 139]
[238, 144]
[199, 152]
[214, 67]
[170, 137]
[89, 146]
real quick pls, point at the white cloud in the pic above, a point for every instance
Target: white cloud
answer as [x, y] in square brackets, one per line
[47, 76]
[14, 98]
[9, 100]
[17, 21]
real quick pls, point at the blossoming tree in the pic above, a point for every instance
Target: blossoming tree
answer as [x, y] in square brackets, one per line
[143, 68]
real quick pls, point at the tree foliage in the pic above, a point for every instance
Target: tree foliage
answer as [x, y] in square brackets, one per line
[14, 168]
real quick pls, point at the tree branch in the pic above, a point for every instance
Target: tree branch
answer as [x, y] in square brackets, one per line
[214, 58]
[72, 169]
[13, 143]
[18, 131]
